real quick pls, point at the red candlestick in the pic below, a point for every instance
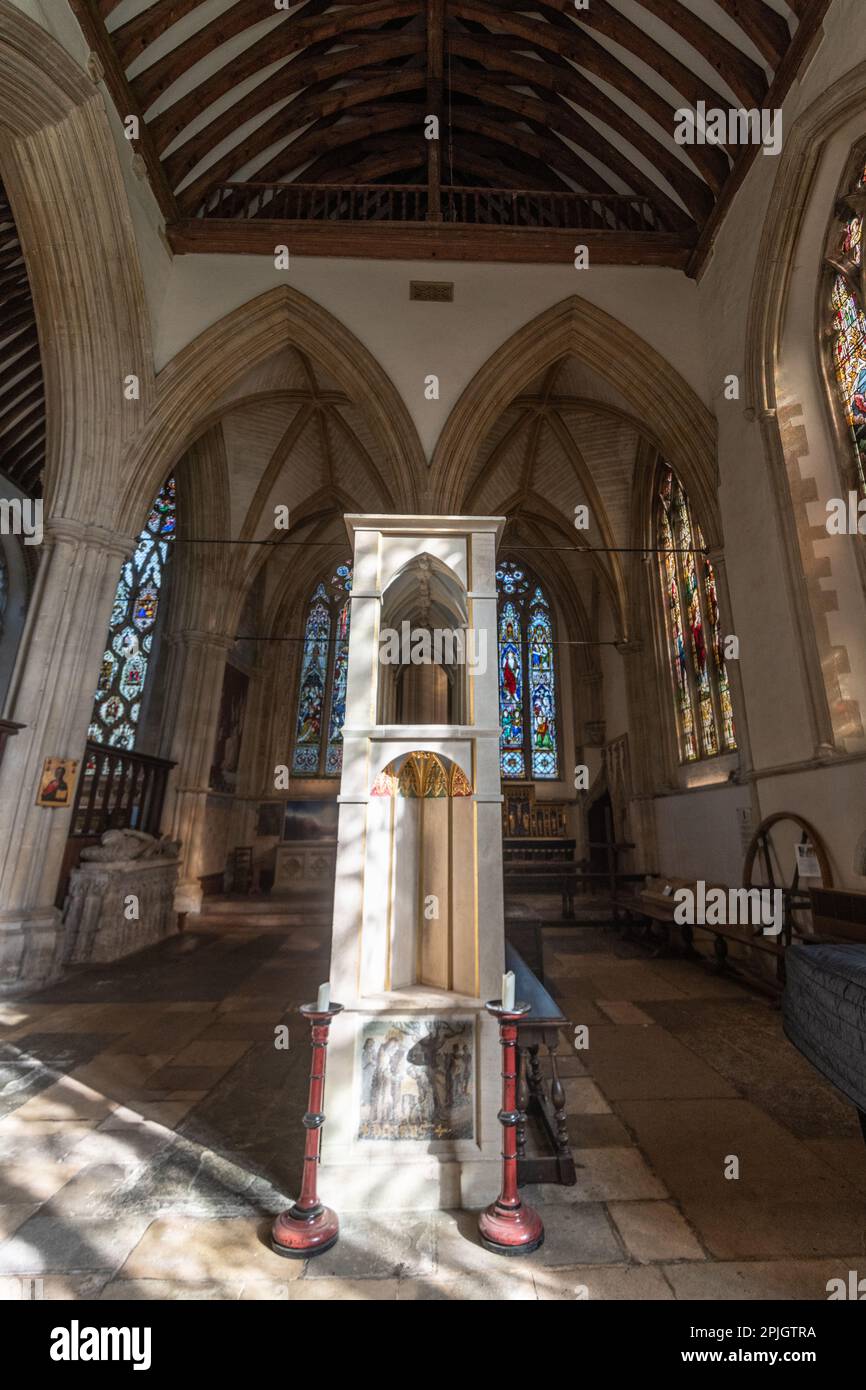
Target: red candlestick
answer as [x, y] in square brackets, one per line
[308, 1228]
[509, 1226]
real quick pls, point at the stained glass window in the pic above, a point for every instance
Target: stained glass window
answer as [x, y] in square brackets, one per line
[702, 697]
[848, 328]
[318, 748]
[128, 648]
[527, 686]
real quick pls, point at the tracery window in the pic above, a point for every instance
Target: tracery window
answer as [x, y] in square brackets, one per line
[318, 748]
[848, 321]
[129, 646]
[527, 684]
[702, 696]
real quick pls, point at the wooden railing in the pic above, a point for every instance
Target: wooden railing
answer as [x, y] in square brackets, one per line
[525, 209]
[119, 790]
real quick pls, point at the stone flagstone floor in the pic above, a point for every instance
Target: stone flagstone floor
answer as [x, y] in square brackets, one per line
[149, 1131]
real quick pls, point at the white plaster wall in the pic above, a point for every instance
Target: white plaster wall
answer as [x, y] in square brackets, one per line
[699, 835]
[834, 802]
[414, 339]
[613, 671]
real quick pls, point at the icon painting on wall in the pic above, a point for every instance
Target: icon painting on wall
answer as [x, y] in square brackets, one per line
[57, 783]
[416, 1078]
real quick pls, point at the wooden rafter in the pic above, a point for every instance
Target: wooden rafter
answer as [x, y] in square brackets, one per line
[22, 387]
[528, 97]
[87, 14]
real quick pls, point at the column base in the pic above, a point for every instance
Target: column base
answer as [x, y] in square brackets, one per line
[299, 1236]
[30, 950]
[510, 1230]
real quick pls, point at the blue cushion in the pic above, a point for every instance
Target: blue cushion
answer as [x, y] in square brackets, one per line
[824, 1012]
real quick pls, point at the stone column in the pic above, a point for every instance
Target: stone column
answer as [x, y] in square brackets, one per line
[193, 694]
[52, 696]
[716, 558]
[638, 682]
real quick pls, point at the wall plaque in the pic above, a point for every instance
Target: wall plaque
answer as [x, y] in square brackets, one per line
[417, 1078]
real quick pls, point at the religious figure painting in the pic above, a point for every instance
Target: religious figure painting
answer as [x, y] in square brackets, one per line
[57, 783]
[416, 1078]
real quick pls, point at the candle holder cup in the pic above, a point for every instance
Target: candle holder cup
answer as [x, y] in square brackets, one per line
[509, 1226]
[309, 1228]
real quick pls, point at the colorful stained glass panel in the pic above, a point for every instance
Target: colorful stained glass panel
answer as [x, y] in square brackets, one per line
[124, 667]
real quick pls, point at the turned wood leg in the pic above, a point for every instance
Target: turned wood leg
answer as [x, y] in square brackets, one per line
[522, 1102]
[557, 1096]
[536, 1082]
[862, 1116]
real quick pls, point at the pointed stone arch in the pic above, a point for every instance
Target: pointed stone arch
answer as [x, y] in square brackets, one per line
[773, 403]
[665, 408]
[63, 176]
[190, 389]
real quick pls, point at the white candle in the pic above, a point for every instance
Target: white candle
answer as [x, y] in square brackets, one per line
[324, 1000]
[508, 990]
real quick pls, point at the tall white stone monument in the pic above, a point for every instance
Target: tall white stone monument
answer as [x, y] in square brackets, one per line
[418, 938]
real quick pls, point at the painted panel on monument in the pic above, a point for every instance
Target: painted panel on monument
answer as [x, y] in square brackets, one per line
[417, 1078]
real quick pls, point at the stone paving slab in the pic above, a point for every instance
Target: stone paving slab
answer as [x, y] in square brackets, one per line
[153, 1138]
[384, 1246]
[46, 1245]
[759, 1279]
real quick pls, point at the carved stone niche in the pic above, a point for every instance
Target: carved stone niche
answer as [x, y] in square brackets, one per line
[116, 906]
[594, 732]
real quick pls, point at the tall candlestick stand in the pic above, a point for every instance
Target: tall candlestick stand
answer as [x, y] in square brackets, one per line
[308, 1228]
[509, 1226]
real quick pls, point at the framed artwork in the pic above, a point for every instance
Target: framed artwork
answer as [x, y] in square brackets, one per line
[310, 820]
[417, 1078]
[57, 782]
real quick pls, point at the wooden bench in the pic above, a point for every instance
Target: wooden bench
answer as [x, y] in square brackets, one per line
[540, 1028]
[656, 902]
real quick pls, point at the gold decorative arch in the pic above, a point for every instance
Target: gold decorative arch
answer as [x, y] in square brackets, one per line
[423, 775]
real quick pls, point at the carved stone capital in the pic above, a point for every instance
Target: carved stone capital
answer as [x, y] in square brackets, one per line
[69, 531]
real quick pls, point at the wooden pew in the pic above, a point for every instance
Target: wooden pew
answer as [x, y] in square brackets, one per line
[540, 1028]
[656, 903]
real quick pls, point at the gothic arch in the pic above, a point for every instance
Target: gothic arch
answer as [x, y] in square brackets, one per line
[63, 176]
[191, 387]
[666, 408]
[784, 438]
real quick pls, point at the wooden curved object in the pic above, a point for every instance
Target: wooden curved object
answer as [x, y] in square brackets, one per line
[814, 838]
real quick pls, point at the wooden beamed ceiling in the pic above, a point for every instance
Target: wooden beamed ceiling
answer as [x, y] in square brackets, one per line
[530, 94]
[22, 390]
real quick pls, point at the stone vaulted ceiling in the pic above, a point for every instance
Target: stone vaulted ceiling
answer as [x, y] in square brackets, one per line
[531, 96]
